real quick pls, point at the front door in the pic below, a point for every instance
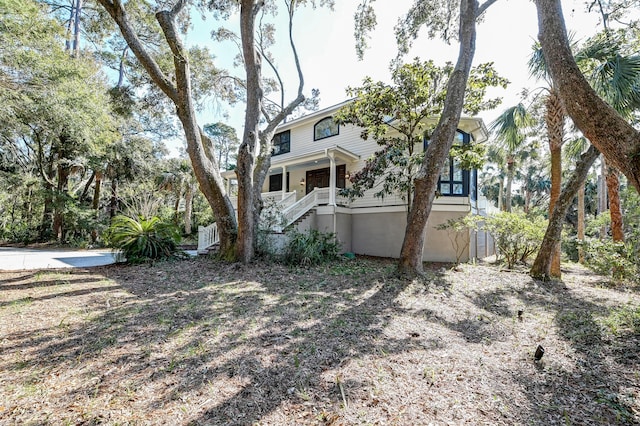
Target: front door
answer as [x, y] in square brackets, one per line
[319, 178]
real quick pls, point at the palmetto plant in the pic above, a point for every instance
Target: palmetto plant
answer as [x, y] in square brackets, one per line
[142, 239]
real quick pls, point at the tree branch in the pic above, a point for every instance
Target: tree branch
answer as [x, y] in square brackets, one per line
[119, 15]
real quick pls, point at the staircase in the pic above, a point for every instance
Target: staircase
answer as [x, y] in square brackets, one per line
[294, 212]
[207, 236]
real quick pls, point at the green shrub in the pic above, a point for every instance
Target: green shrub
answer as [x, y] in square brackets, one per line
[311, 248]
[610, 258]
[143, 239]
[517, 237]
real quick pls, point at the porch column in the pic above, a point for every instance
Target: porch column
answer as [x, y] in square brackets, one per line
[284, 182]
[332, 179]
[228, 186]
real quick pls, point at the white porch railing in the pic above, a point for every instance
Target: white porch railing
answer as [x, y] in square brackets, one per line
[289, 199]
[207, 236]
[306, 203]
[273, 196]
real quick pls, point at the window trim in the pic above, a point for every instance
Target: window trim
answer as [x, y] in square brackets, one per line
[279, 136]
[315, 136]
[467, 175]
[276, 184]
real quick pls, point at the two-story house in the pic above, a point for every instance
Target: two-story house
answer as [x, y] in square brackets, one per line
[312, 160]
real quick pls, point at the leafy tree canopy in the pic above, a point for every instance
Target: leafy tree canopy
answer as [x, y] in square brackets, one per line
[399, 115]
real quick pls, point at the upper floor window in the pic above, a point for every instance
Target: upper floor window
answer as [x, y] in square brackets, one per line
[325, 128]
[454, 181]
[281, 143]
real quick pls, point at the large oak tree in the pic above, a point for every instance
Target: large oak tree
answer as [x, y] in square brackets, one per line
[237, 239]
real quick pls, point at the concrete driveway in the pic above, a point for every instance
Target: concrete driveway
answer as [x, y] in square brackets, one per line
[16, 259]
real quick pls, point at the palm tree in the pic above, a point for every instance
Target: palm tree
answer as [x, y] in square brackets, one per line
[535, 183]
[509, 129]
[575, 148]
[554, 118]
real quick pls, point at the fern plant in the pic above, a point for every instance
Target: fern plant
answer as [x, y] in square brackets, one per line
[142, 239]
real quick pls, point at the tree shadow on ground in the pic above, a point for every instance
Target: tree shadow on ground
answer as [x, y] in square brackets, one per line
[202, 342]
[250, 339]
[588, 373]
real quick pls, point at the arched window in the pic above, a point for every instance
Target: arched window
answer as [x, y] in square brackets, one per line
[325, 128]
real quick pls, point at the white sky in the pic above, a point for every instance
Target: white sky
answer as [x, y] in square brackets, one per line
[325, 44]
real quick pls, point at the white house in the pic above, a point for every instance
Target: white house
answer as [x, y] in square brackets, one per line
[313, 158]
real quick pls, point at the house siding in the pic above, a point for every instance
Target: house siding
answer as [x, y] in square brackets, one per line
[371, 225]
[382, 234]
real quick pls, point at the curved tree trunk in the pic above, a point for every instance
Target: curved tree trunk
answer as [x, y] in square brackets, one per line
[542, 265]
[205, 168]
[599, 122]
[426, 181]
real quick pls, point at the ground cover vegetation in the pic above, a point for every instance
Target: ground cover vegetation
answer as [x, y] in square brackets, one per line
[70, 132]
[206, 342]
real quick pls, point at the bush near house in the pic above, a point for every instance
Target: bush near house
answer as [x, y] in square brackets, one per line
[142, 239]
[311, 248]
[517, 237]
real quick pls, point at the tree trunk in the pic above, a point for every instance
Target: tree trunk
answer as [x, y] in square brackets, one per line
[613, 189]
[76, 29]
[188, 208]
[581, 193]
[602, 195]
[541, 268]
[245, 247]
[554, 119]
[95, 202]
[113, 204]
[176, 207]
[426, 180]
[507, 195]
[46, 225]
[599, 122]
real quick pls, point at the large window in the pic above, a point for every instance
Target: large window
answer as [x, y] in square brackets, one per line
[275, 182]
[453, 180]
[281, 143]
[325, 128]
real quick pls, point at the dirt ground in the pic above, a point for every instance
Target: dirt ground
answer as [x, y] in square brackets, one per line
[198, 342]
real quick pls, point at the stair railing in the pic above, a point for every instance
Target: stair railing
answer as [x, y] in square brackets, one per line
[306, 203]
[207, 236]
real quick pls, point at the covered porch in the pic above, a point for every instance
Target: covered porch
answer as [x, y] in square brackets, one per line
[290, 179]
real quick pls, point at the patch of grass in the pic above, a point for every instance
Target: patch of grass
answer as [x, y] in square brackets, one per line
[618, 404]
[579, 327]
[623, 320]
